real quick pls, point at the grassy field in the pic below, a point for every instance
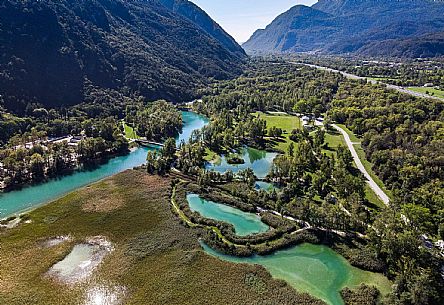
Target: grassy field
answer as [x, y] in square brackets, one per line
[368, 166]
[156, 259]
[372, 197]
[129, 132]
[431, 91]
[284, 121]
[333, 139]
[350, 133]
[381, 79]
[211, 156]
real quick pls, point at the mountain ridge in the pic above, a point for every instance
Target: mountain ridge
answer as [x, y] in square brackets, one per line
[96, 50]
[347, 26]
[198, 16]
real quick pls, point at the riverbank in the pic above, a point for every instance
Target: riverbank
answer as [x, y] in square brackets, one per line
[87, 166]
[132, 210]
[27, 198]
[284, 234]
[284, 231]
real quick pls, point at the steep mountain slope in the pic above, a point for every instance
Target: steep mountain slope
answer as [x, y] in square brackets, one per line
[199, 17]
[61, 52]
[429, 45]
[284, 35]
[347, 26]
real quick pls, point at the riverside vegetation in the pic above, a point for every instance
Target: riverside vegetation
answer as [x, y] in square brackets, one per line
[401, 135]
[321, 196]
[133, 210]
[40, 144]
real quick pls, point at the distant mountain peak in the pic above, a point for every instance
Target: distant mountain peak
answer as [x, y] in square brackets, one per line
[346, 26]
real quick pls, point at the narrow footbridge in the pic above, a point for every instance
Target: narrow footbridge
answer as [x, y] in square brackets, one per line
[148, 143]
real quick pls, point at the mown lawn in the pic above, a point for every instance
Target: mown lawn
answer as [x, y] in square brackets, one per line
[368, 166]
[130, 133]
[429, 91]
[156, 259]
[284, 121]
[350, 133]
[333, 139]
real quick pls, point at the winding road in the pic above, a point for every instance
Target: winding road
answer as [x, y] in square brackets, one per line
[373, 185]
[355, 77]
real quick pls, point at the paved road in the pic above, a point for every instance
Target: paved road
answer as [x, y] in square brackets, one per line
[355, 77]
[373, 185]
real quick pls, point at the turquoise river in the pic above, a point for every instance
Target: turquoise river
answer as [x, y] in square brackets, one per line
[35, 195]
[314, 269]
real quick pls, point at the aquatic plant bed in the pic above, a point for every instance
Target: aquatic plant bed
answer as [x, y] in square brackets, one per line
[133, 210]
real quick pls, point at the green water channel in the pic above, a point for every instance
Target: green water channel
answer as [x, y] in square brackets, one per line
[314, 269]
[32, 196]
[244, 223]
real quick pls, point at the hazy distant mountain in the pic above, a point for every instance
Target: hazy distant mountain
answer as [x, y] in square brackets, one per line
[60, 52]
[429, 45]
[350, 26]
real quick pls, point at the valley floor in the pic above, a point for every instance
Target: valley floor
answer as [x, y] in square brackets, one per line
[155, 260]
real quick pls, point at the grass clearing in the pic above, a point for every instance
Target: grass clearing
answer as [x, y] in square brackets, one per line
[429, 91]
[211, 156]
[350, 133]
[368, 166]
[333, 139]
[372, 197]
[284, 121]
[130, 133]
[381, 79]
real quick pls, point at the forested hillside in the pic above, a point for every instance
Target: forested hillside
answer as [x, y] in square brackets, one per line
[194, 13]
[355, 26]
[429, 45]
[68, 51]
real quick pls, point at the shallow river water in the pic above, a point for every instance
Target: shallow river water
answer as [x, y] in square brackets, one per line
[32, 196]
[260, 161]
[314, 269]
[244, 223]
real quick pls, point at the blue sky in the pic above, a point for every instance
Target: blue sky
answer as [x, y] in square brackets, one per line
[241, 18]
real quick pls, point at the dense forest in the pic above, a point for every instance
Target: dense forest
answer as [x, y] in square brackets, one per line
[46, 143]
[407, 73]
[267, 87]
[403, 137]
[87, 51]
